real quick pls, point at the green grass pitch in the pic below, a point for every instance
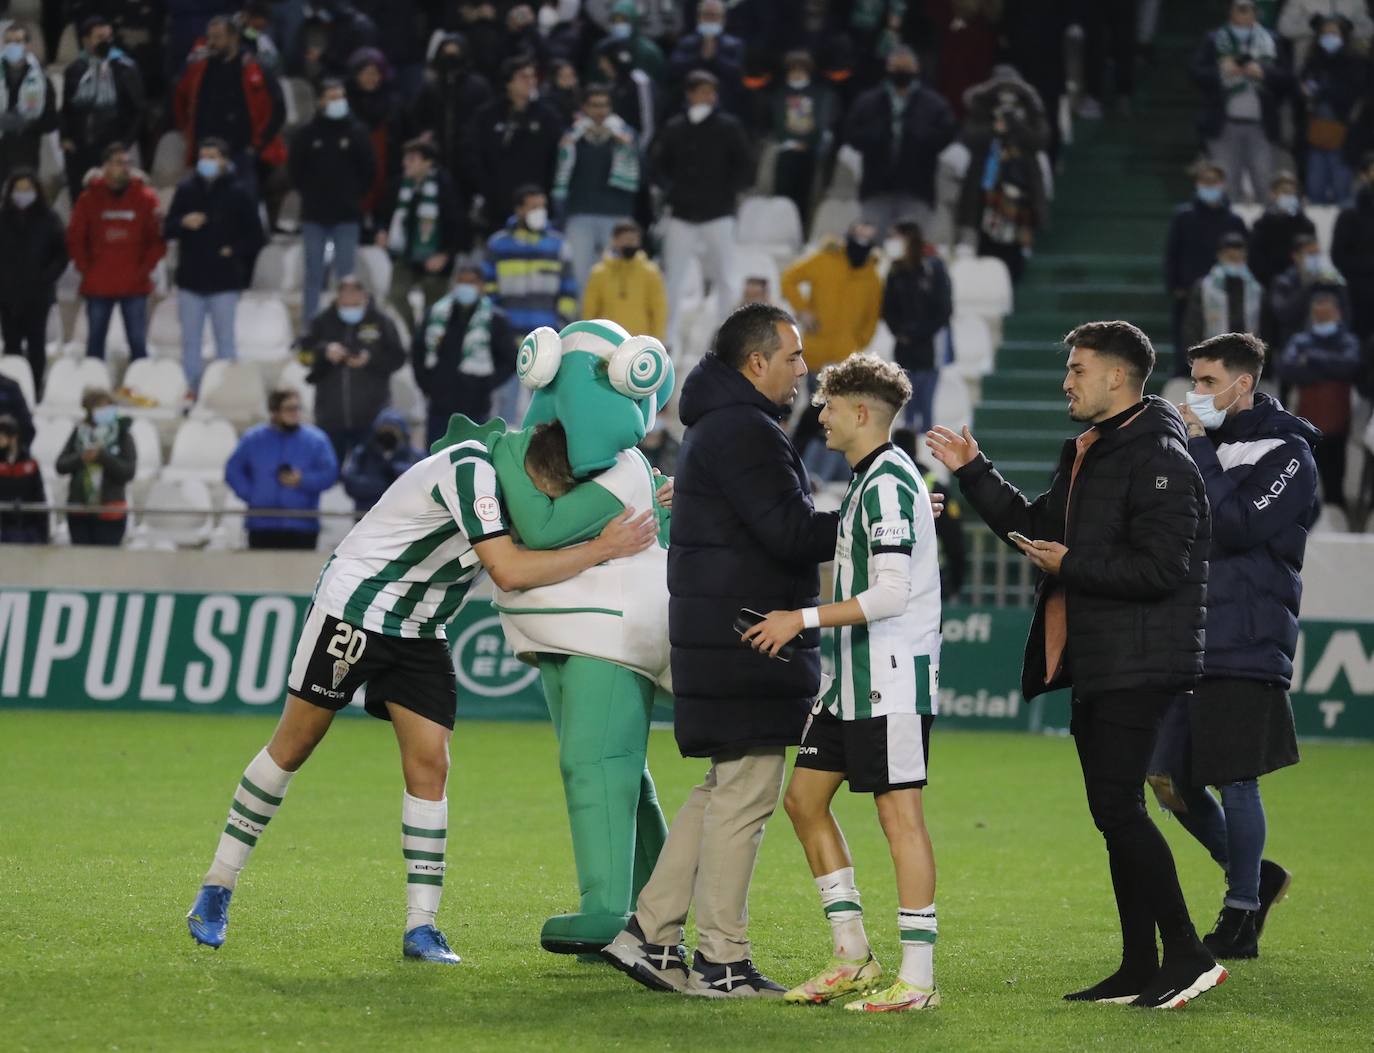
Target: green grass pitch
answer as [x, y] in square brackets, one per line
[108, 821]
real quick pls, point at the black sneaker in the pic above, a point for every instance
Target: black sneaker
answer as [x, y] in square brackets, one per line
[1181, 980]
[1274, 882]
[659, 967]
[1234, 935]
[730, 980]
[1121, 988]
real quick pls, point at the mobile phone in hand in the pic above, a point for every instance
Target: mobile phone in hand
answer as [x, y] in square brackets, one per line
[1020, 538]
[746, 619]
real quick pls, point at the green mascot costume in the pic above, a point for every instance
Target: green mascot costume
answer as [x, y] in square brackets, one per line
[600, 639]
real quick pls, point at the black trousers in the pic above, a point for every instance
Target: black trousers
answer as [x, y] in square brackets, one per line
[1330, 457]
[293, 539]
[24, 329]
[1115, 736]
[93, 530]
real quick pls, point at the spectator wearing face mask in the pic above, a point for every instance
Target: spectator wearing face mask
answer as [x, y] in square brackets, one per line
[626, 286]
[352, 349]
[102, 101]
[1299, 23]
[1288, 304]
[1322, 363]
[918, 301]
[451, 94]
[596, 181]
[376, 463]
[513, 141]
[701, 161]
[34, 257]
[804, 111]
[714, 51]
[427, 229]
[1352, 250]
[1274, 232]
[1190, 249]
[28, 109]
[464, 350]
[101, 459]
[634, 94]
[21, 482]
[900, 128]
[332, 167]
[1226, 299]
[625, 27]
[216, 224]
[529, 277]
[1242, 78]
[1333, 82]
[224, 94]
[372, 100]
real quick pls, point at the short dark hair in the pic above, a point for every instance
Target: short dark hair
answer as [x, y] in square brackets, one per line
[599, 88]
[92, 23]
[526, 191]
[224, 22]
[1282, 176]
[111, 150]
[330, 83]
[19, 27]
[514, 65]
[751, 327]
[421, 147]
[547, 456]
[214, 142]
[800, 57]
[700, 77]
[277, 396]
[1303, 241]
[1233, 239]
[1236, 351]
[1118, 339]
[626, 226]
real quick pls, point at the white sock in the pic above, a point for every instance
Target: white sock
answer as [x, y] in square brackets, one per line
[917, 928]
[424, 833]
[840, 900]
[256, 799]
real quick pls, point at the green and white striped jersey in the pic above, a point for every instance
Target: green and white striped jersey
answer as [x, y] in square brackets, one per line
[406, 567]
[890, 665]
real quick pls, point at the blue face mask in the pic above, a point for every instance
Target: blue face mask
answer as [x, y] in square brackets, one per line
[105, 415]
[710, 29]
[351, 315]
[1288, 203]
[1210, 195]
[467, 294]
[207, 168]
[14, 53]
[1233, 270]
[336, 109]
[622, 30]
[1331, 42]
[1313, 263]
[1325, 328]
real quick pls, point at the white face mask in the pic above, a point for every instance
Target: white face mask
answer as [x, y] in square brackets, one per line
[336, 109]
[895, 248]
[537, 218]
[698, 112]
[1205, 408]
[798, 81]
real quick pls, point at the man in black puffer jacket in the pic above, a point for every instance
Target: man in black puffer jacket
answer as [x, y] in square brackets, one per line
[744, 534]
[1122, 538]
[1257, 463]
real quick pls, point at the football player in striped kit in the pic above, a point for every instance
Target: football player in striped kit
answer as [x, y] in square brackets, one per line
[377, 617]
[872, 725]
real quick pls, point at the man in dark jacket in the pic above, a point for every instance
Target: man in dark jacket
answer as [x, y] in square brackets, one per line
[216, 223]
[1288, 302]
[332, 166]
[1352, 250]
[745, 534]
[918, 301]
[1256, 462]
[1190, 250]
[512, 141]
[352, 350]
[701, 161]
[1271, 238]
[451, 94]
[378, 462]
[714, 51]
[1119, 618]
[900, 127]
[34, 258]
[102, 101]
[27, 106]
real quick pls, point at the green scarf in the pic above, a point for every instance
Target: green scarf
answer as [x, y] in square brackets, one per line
[414, 232]
[106, 436]
[476, 360]
[624, 157]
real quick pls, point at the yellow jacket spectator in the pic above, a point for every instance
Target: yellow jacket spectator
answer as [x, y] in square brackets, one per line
[843, 301]
[627, 287]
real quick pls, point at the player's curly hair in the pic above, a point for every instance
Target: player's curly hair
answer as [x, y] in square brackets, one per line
[863, 374]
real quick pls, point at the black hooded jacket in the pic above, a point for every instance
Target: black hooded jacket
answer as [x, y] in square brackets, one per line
[1135, 575]
[744, 534]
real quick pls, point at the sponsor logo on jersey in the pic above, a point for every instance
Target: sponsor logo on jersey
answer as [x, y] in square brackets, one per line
[890, 531]
[808, 751]
[488, 509]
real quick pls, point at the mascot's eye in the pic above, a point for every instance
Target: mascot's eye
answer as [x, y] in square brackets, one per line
[537, 360]
[639, 367]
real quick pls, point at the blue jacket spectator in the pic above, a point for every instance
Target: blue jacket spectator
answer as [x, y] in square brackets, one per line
[525, 270]
[375, 464]
[282, 464]
[1261, 482]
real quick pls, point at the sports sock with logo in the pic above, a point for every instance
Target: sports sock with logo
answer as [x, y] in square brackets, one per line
[917, 928]
[424, 832]
[840, 901]
[256, 799]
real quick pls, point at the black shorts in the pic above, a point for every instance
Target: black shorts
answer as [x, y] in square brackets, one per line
[875, 755]
[333, 659]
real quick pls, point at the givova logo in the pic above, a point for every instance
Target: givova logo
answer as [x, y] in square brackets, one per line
[486, 665]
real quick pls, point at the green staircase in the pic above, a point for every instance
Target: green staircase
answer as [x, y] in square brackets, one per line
[1101, 257]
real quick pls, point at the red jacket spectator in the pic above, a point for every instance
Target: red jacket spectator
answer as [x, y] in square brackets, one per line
[115, 238]
[263, 117]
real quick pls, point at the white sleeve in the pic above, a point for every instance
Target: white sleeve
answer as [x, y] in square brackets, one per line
[891, 587]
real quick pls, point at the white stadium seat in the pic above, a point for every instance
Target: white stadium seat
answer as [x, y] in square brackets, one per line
[232, 390]
[200, 449]
[262, 329]
[833, 218]
[374, 268]
[750, 261]
[1250, 212]
[50, 436]
[169, 159]
[156, 387]
[1324, 217]
[293, 375]
[17, 368]
[406, 398]
[972, 346]
[164, 330]
[116, 342]
[771, 223]
[982, 285]
[883, 343]
[849, 167]
[188, 526]
[66, 379]
[280, 267]
[952, 407]
[333, 528]
[147, 448]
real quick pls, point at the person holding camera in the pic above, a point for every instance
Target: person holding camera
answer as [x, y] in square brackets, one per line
[283, 464]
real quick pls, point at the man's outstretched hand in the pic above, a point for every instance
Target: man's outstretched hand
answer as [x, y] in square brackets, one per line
[628, 533]
[951, 449]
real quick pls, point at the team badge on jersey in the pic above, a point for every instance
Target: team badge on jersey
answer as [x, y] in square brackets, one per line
[341, 668]
[488, 509]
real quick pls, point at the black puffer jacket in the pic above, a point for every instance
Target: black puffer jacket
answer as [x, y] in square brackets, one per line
[744, 534]
[1135, 576]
